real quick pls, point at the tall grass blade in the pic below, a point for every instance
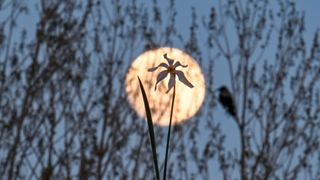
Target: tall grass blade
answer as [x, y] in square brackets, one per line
[151, 131]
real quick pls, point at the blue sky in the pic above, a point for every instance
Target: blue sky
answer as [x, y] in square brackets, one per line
[312, 16]
[312, 19]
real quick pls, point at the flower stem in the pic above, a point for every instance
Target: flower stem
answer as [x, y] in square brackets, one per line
[169, 130]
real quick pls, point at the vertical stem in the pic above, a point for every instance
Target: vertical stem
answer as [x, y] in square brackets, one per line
[168, 138]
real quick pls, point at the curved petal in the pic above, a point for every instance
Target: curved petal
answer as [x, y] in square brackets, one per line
[172, 81]
[155, 68]
[170, 61]
[160, 77]
[183, 79]
[177, 64]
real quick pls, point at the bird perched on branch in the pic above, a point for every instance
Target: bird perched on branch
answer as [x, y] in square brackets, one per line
[226, 100]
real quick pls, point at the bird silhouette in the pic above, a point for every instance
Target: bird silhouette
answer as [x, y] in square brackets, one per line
[226, 100]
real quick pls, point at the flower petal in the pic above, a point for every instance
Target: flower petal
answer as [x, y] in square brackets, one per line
[177, 64]
[160, 77]
[170, 61]
[172, 81]
[183, 79]
[155, 68]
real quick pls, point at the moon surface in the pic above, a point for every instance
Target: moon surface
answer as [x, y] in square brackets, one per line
[187, 100]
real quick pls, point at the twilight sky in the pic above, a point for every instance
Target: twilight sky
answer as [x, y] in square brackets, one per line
[202, 7]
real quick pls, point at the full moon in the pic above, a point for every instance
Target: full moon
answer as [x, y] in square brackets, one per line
[187, 100]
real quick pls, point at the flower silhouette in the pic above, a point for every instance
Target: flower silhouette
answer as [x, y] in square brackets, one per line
[171, 69]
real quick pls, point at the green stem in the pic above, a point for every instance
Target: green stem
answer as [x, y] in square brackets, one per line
[168, 138]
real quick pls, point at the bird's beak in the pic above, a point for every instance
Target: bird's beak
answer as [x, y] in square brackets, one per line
[216, 90]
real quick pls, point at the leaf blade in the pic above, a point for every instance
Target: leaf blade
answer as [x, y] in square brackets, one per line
[150, 128]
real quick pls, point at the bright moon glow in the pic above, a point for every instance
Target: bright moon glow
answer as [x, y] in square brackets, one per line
[187, 100]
